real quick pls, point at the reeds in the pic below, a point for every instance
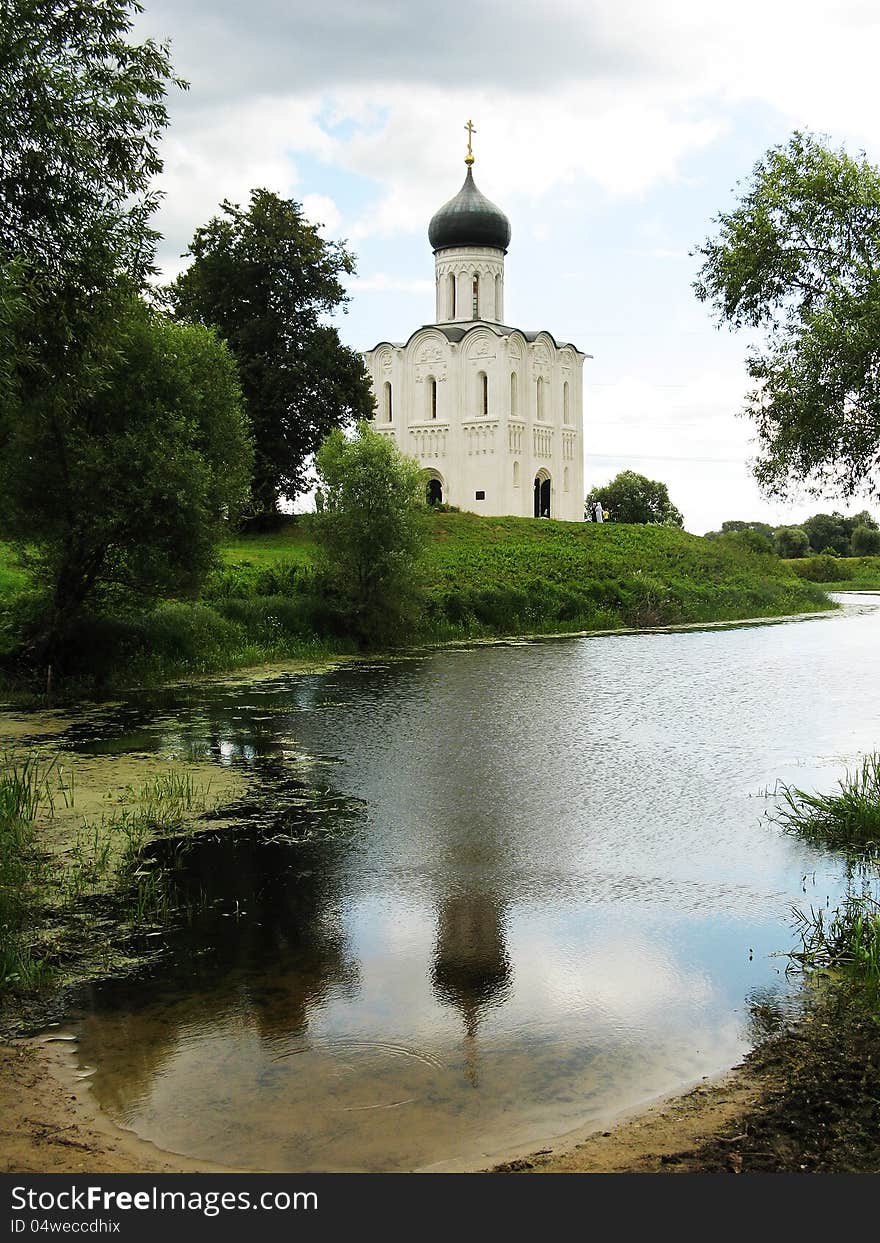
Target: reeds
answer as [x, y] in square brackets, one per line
[846, 939]
[848, 819]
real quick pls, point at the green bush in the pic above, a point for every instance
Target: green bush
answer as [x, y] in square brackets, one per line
[822, 569]
[865, 541]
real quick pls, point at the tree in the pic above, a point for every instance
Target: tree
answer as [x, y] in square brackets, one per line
[630, 497]
[792, 542]
[127, 491]
[372, 530]
[81, 112]
[799, 258]
[264, 278]
[865, 542]
[827, 531]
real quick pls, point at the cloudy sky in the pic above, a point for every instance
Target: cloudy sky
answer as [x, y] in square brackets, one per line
[611, 132]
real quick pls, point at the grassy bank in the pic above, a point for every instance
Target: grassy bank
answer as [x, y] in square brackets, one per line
[839, 573]
[77, 888]
[482, 577]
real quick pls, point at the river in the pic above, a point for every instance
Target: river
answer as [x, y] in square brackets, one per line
[477, 897]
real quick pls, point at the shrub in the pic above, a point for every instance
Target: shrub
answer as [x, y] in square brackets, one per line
[865, 541]
[791, 542]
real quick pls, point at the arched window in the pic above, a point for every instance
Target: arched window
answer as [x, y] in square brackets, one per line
[483, 386]
[565, 479]
[498, 297]
[513, 395]
[387, 402]
[451, 279]
[476, 297]
[566, 405]
[432, 397]
[540, 398]
[516, 474]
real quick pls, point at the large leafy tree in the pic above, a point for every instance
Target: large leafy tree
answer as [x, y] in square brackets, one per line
[267, 279]
[129, 492]
[798, 259]
[372, 529]
[631, 497]
[82, 108]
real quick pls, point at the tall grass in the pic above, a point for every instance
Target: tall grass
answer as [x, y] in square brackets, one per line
[108, 859]
[847, 819]
[847, 939]
[24, 791]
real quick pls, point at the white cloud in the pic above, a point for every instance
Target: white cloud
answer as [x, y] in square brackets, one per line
[321, 210]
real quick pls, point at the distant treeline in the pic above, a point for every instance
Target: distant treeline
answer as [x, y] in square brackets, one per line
[831, 535]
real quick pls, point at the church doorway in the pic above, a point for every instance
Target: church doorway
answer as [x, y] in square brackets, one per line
[434, 492]
[542, 495]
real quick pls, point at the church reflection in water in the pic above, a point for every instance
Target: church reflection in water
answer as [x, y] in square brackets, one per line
[471, 970]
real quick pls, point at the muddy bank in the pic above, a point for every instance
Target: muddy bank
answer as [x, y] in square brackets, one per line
[807, 1100]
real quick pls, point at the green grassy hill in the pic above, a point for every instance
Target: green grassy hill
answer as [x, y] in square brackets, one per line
[503, 575]
[481, 577]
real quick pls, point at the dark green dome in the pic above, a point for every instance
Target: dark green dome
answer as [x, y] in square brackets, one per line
[469, 220]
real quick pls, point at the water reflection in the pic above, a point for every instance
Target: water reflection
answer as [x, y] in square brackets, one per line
[459, 915]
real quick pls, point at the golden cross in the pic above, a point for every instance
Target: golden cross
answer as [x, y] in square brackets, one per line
[471, 129]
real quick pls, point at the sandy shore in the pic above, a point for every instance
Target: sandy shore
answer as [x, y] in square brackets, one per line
[48, 1127]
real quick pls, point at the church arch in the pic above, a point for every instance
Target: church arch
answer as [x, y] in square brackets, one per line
[434, 487]
[543, 494]
[387, 407]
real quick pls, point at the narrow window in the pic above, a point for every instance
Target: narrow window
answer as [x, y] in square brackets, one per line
[432, 397]
[565, 478]
[516, 474]
[498, 298]
[566, 408]
[540, 397]
[513, 394]
[484, 392]
[388, 410]
[476, 299]
[452, 295]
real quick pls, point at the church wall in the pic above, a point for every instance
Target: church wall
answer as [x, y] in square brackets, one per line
[471, 451]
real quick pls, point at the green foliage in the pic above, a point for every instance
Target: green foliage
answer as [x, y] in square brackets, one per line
[821, 569]
[81, 112]
[125, 491]
[23, 791]
[791, 542]
[631, 497]
[372, 531]
[828, 533]
[799, 257]
[848, 939]
[266, 279]
[850, 817]
[749, 537]
[865, 541]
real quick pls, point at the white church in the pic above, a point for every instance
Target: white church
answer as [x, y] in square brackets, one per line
[494, 414]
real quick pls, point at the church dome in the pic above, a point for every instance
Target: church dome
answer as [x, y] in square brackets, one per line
[469, 219]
